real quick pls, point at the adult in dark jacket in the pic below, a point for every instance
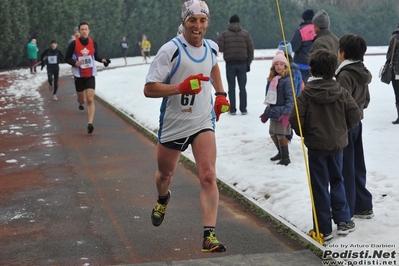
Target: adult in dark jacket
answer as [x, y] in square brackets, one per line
[395, 81]
[238, 51]
[355, 78]
[51, 57]
[302, 42]
[324, 39]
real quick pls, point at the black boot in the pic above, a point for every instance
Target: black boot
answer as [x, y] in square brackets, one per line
[278, 155]
[397, 119]
[285, 157]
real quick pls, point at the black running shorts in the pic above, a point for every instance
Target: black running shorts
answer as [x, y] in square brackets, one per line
[82, 84]
[182, 144]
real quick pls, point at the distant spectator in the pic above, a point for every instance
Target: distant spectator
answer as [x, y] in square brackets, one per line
[124, 47]
[302, 41]
[76, 35]
[238, 51]
[32, 55]
[145, 48]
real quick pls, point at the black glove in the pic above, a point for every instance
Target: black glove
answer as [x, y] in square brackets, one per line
[107, 63]
[248, 68]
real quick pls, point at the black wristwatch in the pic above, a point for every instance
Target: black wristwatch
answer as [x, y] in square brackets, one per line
[221, 93]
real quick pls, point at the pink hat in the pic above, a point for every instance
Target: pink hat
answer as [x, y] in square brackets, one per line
[280, 57]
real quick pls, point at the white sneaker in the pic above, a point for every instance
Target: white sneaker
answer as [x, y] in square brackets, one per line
[55, 97]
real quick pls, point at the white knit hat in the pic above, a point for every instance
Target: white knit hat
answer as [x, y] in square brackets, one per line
[194, 7]
[280, 57]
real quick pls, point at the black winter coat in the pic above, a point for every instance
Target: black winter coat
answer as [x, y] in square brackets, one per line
[236, 44]
[395, 63]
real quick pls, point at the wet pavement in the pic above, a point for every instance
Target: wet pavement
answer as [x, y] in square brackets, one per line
[70, 198]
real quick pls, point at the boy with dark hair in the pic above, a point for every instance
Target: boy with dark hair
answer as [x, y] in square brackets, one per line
[355, 77]
[326, 112]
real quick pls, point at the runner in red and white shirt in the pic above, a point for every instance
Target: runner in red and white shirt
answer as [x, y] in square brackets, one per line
[81, 55]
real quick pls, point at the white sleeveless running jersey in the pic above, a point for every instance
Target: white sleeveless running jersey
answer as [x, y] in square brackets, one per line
[184, 115]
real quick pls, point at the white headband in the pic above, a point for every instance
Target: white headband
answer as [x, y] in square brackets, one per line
[194, 7]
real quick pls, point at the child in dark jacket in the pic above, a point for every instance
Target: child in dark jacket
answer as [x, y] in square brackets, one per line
[279, 100]
[355, 77]
[326, 112]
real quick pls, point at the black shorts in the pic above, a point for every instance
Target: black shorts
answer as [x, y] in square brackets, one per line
[124, 53]
[82, 84]
[182, 144]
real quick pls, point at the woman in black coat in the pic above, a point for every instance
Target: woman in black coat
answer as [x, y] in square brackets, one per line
[395, 62]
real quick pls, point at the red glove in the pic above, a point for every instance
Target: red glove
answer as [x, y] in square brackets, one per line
[221, 106]
[263, 118]
[192, 84]
[284, 119]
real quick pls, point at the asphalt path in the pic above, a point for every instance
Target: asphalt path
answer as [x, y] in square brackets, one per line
[70, 198]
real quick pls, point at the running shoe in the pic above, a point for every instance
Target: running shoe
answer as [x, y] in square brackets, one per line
[90, 128]
[327, 237]
[211, 244]
[81, 107]
[345, 228]
[55, 97]
[158, 213]
[368, 214]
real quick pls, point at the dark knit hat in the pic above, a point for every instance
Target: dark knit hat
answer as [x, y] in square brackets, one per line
[308, 14]
[234, 18]
[321, 20]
